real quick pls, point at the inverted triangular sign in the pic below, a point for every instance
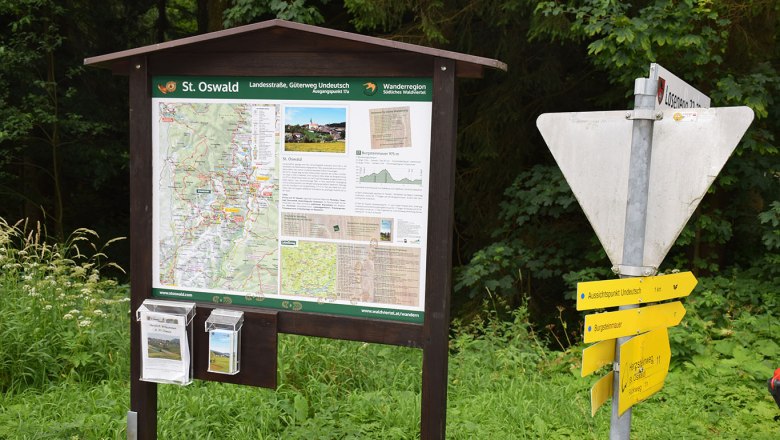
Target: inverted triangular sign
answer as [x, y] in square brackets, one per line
[690, 147]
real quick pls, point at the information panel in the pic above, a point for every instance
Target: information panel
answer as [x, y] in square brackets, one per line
[306, 194]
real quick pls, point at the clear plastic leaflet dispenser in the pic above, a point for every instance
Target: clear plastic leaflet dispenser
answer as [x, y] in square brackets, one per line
[224, 329]
[166, 341]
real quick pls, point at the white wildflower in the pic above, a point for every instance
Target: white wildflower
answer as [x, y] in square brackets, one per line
[85, 323]
[99, 313]
[48, 307]
[67, 316]
[74, 312]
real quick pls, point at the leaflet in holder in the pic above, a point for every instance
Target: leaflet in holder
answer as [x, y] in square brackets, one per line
[224, 329]
[166, 341]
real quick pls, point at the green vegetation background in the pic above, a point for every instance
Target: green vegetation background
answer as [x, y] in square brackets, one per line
[521, 241]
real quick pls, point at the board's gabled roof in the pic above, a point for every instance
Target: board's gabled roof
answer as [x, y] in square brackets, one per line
[290, 37]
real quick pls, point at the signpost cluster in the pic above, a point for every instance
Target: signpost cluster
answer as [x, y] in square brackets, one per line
[638, 176]
[644, 360]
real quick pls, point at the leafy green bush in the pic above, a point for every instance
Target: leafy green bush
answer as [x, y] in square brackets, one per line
[770, 220]
[527, 251]
[57, 316]
[730, 328]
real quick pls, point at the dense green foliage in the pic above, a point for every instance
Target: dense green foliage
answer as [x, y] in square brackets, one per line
[723, 49]
[246, 11]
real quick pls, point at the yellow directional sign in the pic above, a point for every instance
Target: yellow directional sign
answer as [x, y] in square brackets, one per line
[621, 292]
[610, 325]
[601, 392]
[597, 355]
[644, 362]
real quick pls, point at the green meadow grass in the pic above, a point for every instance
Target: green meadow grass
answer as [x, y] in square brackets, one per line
[316, 147]
[218, 363]
[67, 378]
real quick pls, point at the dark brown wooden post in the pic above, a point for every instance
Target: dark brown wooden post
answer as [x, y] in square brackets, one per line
[143, 395]
[438, 281]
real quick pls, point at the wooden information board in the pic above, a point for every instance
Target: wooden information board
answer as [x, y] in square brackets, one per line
[358, 198]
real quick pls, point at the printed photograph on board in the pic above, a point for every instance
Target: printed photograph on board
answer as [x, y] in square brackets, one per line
[161, 346]
[386, 229]
[221, 351]
[315, 129]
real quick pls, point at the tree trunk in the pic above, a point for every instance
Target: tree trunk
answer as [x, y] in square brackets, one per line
[55, 154]
[162, 20]
[29, 179]
[203, 16]
[215, 10]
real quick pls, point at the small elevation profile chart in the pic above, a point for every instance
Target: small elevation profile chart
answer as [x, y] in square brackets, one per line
[392, 176]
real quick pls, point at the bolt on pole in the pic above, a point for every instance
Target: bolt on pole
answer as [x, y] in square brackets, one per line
[636, 219]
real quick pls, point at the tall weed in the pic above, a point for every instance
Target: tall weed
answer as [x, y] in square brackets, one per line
[57, 316]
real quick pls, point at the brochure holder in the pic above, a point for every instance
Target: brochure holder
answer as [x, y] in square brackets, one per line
[224, 329]
[166, 341]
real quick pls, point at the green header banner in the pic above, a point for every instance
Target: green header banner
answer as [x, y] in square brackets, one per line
[296, 306]
[293, 88]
